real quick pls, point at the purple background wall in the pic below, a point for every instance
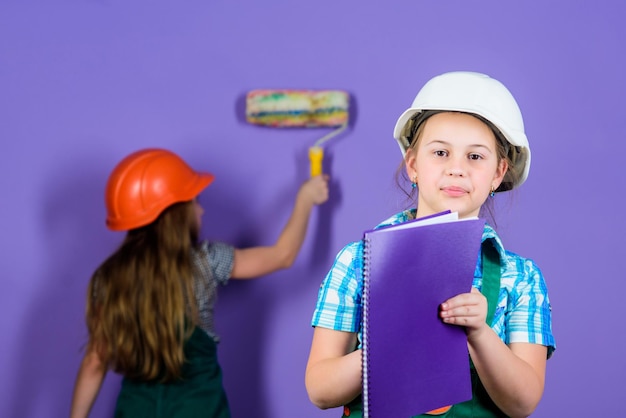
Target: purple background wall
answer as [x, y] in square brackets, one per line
[83, 83]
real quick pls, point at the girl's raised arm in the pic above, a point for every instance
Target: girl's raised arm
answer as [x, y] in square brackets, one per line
[253, 262]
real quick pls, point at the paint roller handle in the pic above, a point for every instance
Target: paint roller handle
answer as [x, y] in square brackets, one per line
[316, 152]
[316, 155]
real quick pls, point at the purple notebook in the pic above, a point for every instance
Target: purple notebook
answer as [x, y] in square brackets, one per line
[412, 361]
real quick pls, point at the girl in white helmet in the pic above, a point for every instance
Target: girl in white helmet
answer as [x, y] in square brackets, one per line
[150, 304]
[463, 141]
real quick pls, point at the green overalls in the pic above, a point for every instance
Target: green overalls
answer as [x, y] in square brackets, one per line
[481, 405]
[198, 393]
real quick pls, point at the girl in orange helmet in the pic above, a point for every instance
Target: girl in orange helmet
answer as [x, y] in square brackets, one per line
[150, 304]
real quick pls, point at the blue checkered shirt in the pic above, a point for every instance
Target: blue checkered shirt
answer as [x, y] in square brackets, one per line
[523, 313]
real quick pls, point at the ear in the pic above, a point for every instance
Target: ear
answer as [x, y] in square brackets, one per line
[503, 166]
[410, 163]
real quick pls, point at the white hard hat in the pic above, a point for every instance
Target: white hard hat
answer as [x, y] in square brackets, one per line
[477, 94]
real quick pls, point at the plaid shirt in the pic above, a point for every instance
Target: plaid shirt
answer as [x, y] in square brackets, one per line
[523, 313]
[213, 263]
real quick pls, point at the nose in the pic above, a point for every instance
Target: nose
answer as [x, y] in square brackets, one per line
[456, 167]
[455, 171]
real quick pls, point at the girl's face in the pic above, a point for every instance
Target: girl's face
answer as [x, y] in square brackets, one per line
[455, 165]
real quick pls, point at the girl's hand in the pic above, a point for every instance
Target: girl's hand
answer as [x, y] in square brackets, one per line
[315, 189]
[468, 310]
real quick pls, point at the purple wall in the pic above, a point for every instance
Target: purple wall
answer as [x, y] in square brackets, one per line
[83, 83]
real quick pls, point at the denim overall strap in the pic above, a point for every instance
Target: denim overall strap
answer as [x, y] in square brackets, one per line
[491, 278]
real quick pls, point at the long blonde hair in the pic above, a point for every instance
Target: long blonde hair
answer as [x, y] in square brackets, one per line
[140, 305]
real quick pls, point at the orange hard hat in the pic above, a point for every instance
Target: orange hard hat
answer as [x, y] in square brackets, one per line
[145, 183]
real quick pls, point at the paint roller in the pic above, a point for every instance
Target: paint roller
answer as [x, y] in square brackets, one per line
[301, 109]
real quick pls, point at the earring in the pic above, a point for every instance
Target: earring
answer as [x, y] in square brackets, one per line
[493, 192]
[414, 182]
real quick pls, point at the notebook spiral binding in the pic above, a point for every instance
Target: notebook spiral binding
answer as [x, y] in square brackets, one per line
[364, 351]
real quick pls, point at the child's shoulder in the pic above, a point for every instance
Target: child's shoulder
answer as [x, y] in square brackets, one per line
[355, 247]
[520, 270]
[350, 253]
[511, 260]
